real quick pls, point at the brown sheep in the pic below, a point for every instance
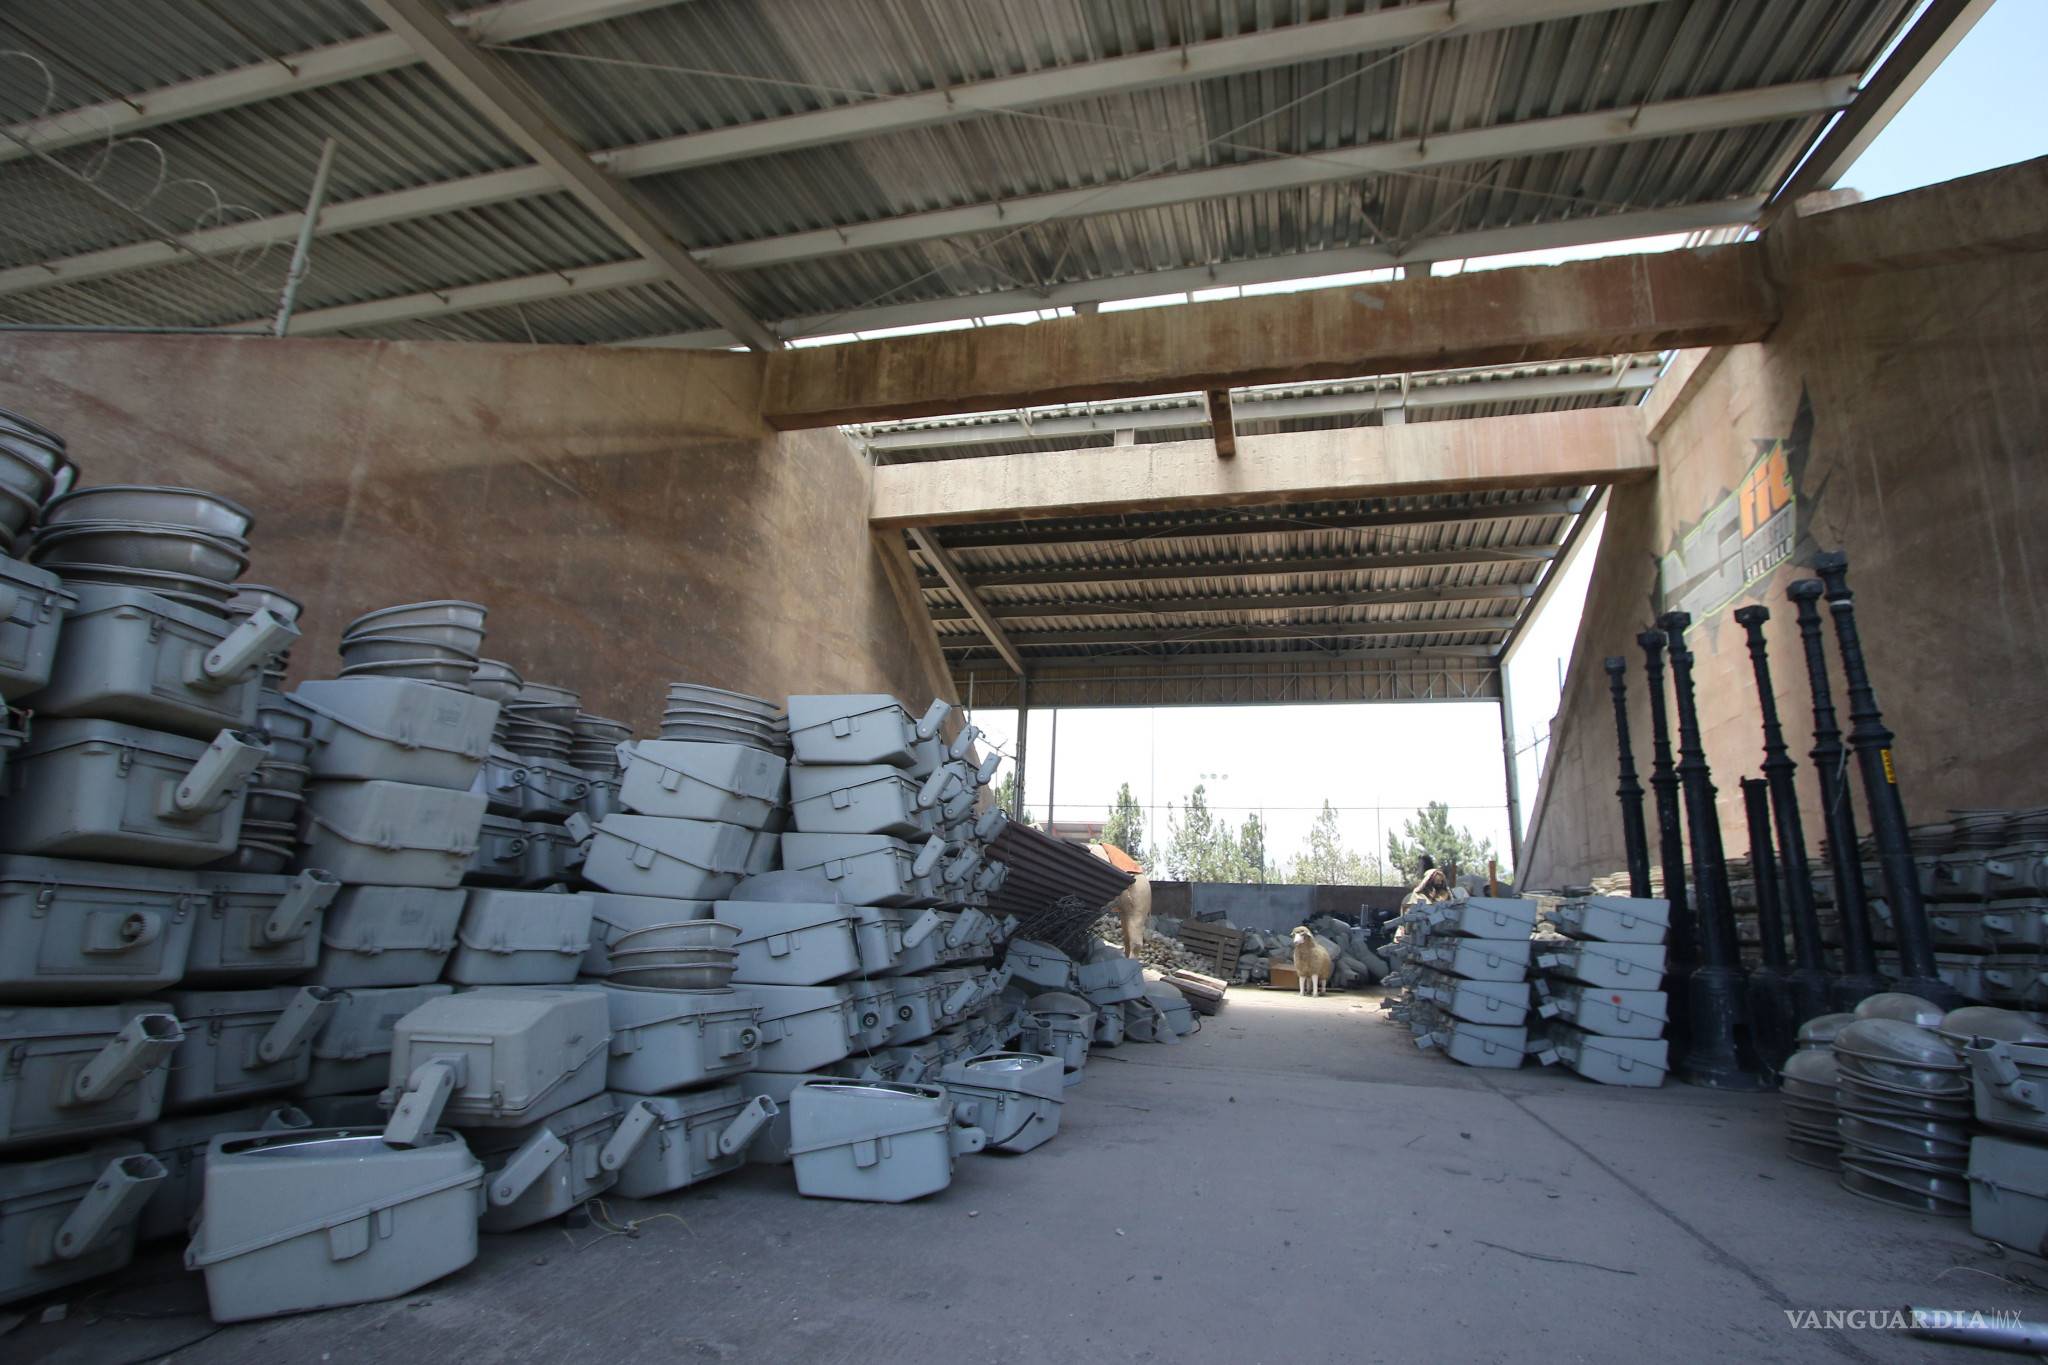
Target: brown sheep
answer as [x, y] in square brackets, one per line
[1312, 964]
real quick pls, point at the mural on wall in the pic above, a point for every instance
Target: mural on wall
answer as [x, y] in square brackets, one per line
[1749, 531]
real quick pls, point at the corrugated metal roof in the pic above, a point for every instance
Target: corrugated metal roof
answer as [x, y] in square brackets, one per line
[1189, 582]
[708, 64]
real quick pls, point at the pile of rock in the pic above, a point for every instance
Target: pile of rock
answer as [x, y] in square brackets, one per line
[1356, 962]
[1161, 950]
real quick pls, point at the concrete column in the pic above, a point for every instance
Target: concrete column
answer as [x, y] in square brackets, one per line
[1507, 754]
[1023, 733]
[1052, 771]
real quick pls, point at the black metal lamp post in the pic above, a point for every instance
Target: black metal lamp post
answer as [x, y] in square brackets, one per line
[1769, 996]
[1859, 976]
[1873, 745]
[1808, 979]
[1680, 954]
[1635, 839]
[1716, 1053]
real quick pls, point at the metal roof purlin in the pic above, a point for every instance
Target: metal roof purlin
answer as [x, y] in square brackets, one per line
[483, 80]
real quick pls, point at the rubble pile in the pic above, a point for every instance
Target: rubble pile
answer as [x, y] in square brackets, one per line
[1357, 964]
[1160, 949]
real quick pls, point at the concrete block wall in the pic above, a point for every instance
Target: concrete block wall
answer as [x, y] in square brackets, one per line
[1896, 413]
[624, 514]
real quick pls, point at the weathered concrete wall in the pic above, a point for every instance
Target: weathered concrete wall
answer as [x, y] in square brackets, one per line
[625, 515]
[1898, 414]
[1273, 907]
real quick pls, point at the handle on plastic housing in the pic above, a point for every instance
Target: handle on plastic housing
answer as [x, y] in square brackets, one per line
[928, 857]
[259, 637]
[934, 716]
[961, 997]
[988, 878]
[1994, 1066]
[934, 789]
[749, 1121]
[966, 1139]
[311, 892]
[957, 870]
[986, 773]
[962, 742]
[143, 1044]
[958, 805]
[109, 1206]
[634, 1126]
[966, 928]
[921, 928]
[426, 1094]
[527, 1165]
[991, 824]
[301, 1019]
[578, 825]
[212, 780]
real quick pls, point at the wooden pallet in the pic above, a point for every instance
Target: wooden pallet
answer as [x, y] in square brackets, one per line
[1203, 993]
[1220, 943]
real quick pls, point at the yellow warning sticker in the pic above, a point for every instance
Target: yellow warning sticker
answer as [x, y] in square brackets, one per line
[1891, 778]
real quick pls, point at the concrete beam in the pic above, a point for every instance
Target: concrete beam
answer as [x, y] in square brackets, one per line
[1538, 450]
[1707, 297]
[1222, 425]
[2002, 212]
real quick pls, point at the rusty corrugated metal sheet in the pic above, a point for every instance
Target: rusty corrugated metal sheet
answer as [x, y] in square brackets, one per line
[1043, 869]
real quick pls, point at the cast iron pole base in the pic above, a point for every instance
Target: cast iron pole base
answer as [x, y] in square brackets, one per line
[1851, 991]
[1773, 1027]
[1930, 988]
[1715, 1058]
[1809, 987]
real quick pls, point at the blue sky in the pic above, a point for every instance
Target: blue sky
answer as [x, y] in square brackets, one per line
[1986, 106]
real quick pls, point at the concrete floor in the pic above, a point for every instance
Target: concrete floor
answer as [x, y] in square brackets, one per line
[1295, 1183]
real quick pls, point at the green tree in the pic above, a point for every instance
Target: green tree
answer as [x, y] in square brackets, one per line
[1006, 797]
[1199, 846]
[1251, 848]
[1126, 824]
[1453, 848]
[1325, 861]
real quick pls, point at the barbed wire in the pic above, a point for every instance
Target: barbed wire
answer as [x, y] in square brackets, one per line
[108, 175]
